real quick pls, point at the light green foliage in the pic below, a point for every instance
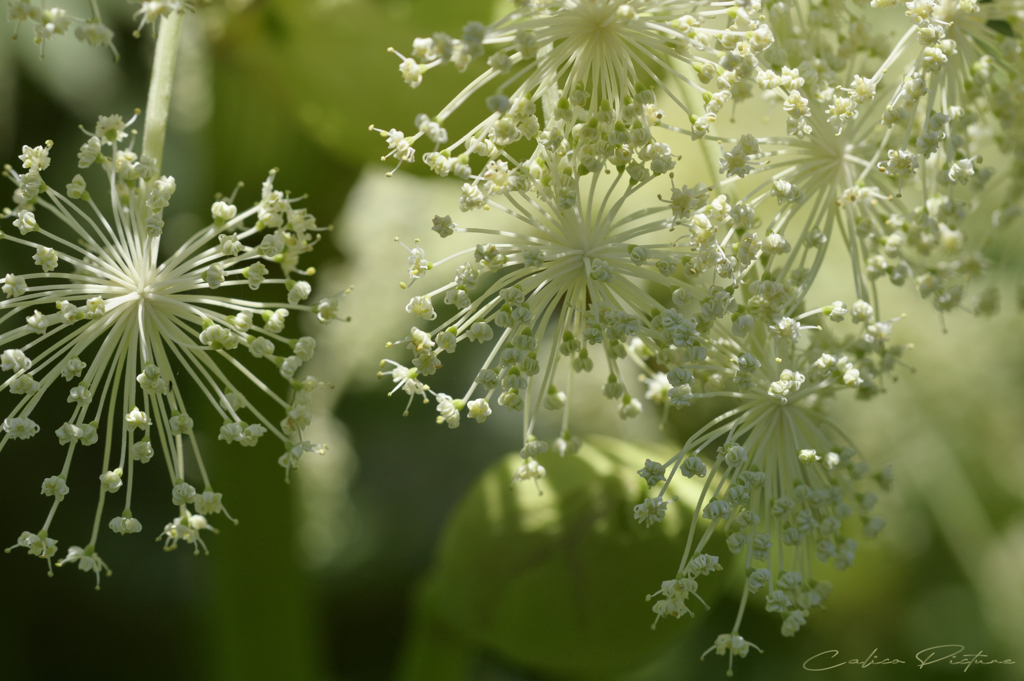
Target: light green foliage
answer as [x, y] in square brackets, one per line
[318, 60]
[555, 582]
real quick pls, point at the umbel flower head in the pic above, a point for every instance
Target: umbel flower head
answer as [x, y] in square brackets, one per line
[588, 67]
[884, 142]
[685, 291]
[781, 479]
[705, 291]
[103, 319]
[823, 189]
[583, 283]
[568, 296]
[53, 21]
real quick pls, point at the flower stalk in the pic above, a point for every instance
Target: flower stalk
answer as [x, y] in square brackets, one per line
[160, 83]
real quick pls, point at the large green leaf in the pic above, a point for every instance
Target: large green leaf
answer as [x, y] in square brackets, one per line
[557, 582]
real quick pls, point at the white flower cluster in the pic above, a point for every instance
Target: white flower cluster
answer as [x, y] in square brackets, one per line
[53, 21]
[118, 325]
[890, 159]
[704, 292]
[589, 68]
[151, 11]
[784, 479]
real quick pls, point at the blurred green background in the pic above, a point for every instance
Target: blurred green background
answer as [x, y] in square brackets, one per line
[402, 553]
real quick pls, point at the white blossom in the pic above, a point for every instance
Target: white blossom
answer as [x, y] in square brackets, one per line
[125, 322]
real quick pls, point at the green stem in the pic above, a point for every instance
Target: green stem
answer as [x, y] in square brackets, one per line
[158, 103]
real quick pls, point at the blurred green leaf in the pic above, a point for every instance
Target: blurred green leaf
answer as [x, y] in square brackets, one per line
[327, 62]
[557, 582]
[306, 168]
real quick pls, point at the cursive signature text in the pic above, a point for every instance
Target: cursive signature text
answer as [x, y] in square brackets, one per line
[950, 653]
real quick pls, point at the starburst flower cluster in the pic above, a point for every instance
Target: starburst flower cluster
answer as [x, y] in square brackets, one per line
[573, 278]
[50, 21]
[890, 158]
[780, 477]
[53, 21]
[893, 149]
[590, 69]
[823, 188]
[151, 11]
[653, 295]
[105, 318]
